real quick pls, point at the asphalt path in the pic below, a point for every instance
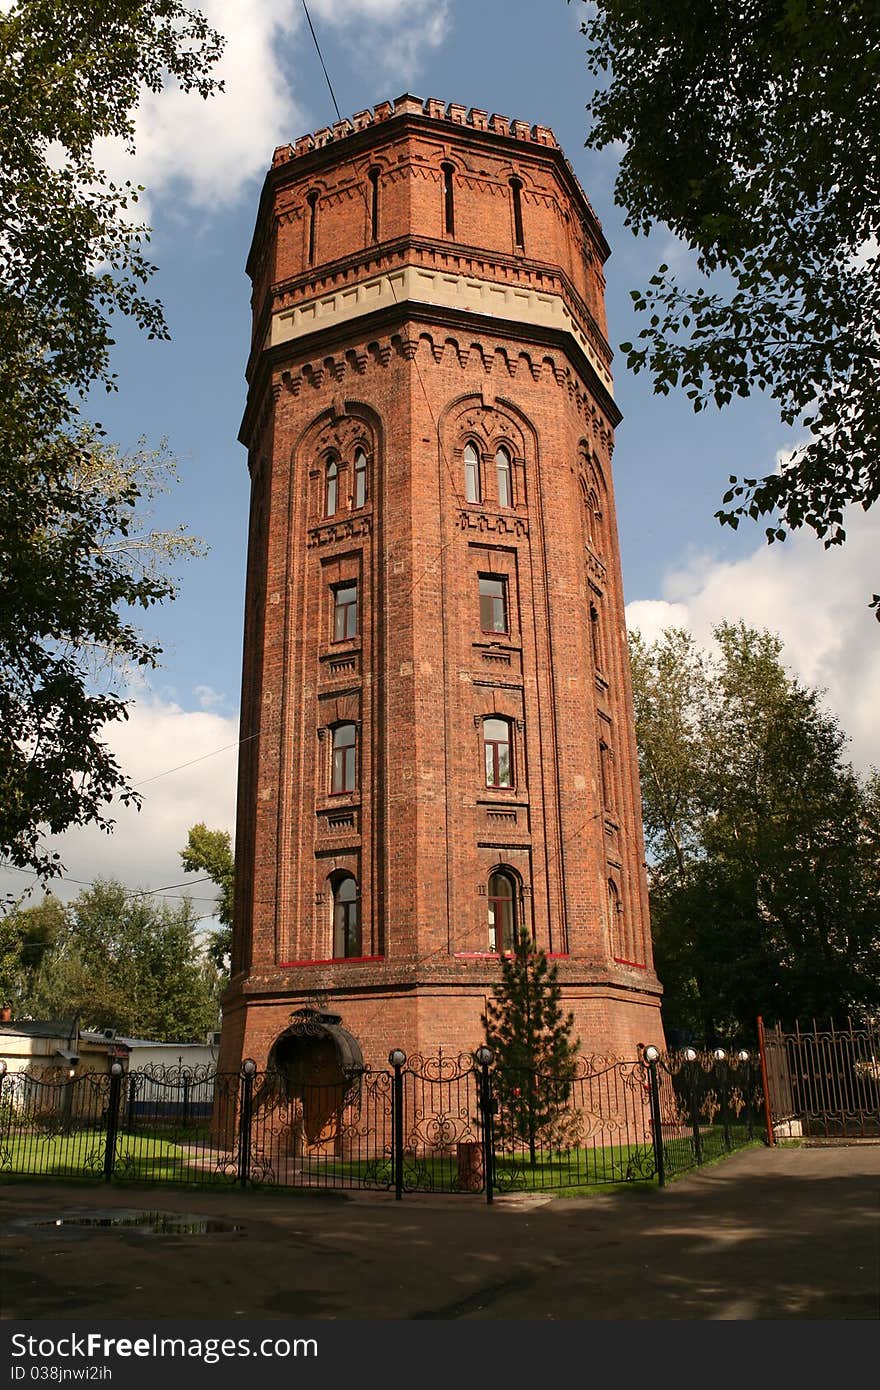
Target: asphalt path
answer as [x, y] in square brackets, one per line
[779, 1234]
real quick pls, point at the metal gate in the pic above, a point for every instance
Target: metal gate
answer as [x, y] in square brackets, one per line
[822, 1083]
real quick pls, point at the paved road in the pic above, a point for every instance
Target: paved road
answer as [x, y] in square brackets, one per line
[767, 1234]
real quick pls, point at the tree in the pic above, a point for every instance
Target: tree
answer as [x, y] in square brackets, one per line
[120, 960]
[26, 936]
[532, 1041]
[71, 259]
[76, 548]
[763, 844]
[210, 852]
[752, 129]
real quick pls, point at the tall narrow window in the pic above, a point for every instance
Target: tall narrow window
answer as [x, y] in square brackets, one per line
[448, 200]
[496, 747]
[312, 201]
[606, 774]
[503, 478]
[615, 913]
[502, 914]
[346, 926]
[331, 488]
[374, 204]
[345, 612]
[471, 474]
[493, 603]
[595, 637]
[516, 196]
[344, 774]
[359, 495]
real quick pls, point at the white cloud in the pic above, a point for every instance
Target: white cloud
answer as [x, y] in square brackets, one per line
[815, 599]
[209, 152]
[208, 697]
[144, 850]
[395, 33]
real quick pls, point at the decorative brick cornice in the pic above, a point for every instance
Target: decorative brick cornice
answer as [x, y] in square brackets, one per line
[434, 109]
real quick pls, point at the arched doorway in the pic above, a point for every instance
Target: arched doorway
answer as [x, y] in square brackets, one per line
[316, 1065]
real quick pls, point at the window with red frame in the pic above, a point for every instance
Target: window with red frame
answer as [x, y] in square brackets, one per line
[493, 603]
[502, 911]
[498, 753]
[344, 772]
[345, 612]
[346, 918]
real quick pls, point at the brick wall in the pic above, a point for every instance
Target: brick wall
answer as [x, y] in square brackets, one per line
[413, 384]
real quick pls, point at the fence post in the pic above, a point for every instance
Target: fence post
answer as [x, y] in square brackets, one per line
[765, 1086]
[397, 1057]
[724, 1086]
[744, 1057]
[484, 1056]
[112, 1119]
[248, 1072]
[652, 1057]
[691, 1059]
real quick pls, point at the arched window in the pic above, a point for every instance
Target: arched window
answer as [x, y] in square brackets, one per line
[502, 898]
[343, 777]
[615, 913]
[516, 196]
[504, 478]
[359, 494]
[471, 474]
[374, 204]
[312, 201]
[331, 488]
[346, 923]
[448, 200]
[595, 637]
[497, 753]
[606, 774]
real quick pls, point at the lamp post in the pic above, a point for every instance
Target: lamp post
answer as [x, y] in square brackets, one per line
[248, 1072]
[652, 1057]
[397, 1058]
[484, 1057]
[116, 1070]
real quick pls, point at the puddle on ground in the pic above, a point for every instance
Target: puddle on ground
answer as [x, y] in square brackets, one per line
[159, 1223]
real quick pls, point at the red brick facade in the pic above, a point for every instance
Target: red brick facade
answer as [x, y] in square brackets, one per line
[436, 686]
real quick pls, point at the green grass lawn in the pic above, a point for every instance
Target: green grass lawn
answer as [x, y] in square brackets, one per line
[185, 1155]
[140, 1157]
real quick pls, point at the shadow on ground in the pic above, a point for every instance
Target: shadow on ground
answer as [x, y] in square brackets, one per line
[767, 1234]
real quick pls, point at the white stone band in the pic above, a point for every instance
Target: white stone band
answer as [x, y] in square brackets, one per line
[413, 284]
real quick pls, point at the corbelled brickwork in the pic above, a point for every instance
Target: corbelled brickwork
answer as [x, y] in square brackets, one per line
[436, 712]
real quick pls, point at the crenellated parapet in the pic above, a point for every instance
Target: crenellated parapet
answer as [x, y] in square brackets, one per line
[408, 105]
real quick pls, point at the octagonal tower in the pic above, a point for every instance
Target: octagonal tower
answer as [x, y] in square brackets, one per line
[437, 723]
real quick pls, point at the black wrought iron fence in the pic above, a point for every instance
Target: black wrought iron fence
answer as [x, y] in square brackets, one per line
[823, 1082]
[706, 1105]
[440, 1123]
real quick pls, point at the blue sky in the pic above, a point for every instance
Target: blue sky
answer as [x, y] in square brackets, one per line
[202, 165]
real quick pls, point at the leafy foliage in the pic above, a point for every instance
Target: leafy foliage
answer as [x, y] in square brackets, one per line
[752, 129]
[532, 1041]
[763, 844]
[71, 558]
[118, 960]
[210, 852]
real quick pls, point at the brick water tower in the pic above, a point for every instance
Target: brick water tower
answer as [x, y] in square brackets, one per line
[436, 717]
